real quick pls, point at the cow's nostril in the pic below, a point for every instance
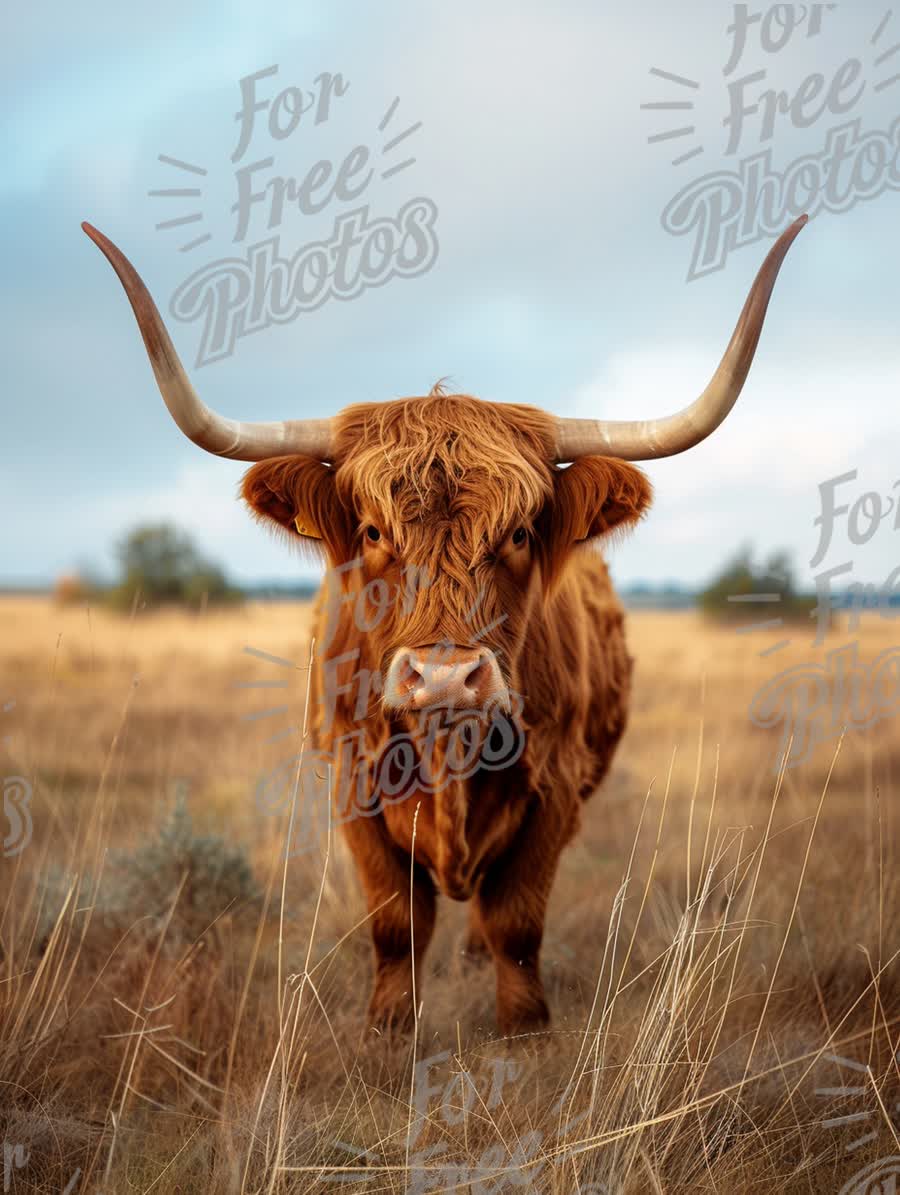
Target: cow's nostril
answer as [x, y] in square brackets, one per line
[410, 674]
[478, 676]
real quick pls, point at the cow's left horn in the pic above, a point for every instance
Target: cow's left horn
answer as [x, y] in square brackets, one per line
[646, 440]
[224, 437]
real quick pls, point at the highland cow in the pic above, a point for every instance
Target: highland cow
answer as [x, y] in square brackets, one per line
[495, 511]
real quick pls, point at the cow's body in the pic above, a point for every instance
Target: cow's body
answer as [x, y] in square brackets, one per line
[493, 838]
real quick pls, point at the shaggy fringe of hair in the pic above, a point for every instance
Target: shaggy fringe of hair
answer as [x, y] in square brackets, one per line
[439, 458]
[444, 450]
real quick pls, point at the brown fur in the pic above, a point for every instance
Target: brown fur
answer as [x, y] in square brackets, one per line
[446, 479]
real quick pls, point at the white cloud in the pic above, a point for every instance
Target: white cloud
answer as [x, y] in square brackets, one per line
[800, 420]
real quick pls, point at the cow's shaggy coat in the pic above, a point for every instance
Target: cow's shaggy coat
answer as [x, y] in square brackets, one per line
[446, 481]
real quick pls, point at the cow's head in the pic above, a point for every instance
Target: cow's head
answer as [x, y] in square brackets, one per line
[447, 515]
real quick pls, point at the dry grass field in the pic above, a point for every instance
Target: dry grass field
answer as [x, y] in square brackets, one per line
[182, 1010]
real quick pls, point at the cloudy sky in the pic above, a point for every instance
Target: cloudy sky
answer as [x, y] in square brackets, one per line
[555, 281]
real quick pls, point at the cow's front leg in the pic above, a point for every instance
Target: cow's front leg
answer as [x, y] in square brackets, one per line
[400, 930]
[512, 904]
[475, 945]
[400, 934]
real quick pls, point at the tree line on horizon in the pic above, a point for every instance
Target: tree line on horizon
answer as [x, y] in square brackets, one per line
[160, 565]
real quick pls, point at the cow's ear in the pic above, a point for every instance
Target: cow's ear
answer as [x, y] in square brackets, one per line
[598, 494]
[594, 496]
[297, 495]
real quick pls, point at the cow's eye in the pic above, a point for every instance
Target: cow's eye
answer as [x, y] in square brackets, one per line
[373, 534]
[519, 536]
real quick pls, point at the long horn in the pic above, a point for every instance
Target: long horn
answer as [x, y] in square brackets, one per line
[644, 440]
[224, 437]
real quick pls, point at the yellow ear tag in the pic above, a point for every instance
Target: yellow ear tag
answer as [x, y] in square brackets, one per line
[304, 530]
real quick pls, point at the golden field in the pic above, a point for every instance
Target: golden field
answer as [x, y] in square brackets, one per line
[183, 1010]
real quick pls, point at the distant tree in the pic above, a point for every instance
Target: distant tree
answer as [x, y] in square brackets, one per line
[69, 589]
[82, 584]
[160, 565]
[736, 577]
[741, 576]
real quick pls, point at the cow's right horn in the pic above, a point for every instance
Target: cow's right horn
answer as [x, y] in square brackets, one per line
[221, 436]
[645, 440]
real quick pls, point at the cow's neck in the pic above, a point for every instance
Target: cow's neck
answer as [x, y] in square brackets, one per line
[456, 825]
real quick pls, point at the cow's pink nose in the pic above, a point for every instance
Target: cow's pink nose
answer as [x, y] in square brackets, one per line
[456, 677]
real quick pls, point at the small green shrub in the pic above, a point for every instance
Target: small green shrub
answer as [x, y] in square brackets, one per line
[139, 886]
[214, 876]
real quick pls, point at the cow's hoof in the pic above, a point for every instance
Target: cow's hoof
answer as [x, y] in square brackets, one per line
[395, 1020]
[520, 1021]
